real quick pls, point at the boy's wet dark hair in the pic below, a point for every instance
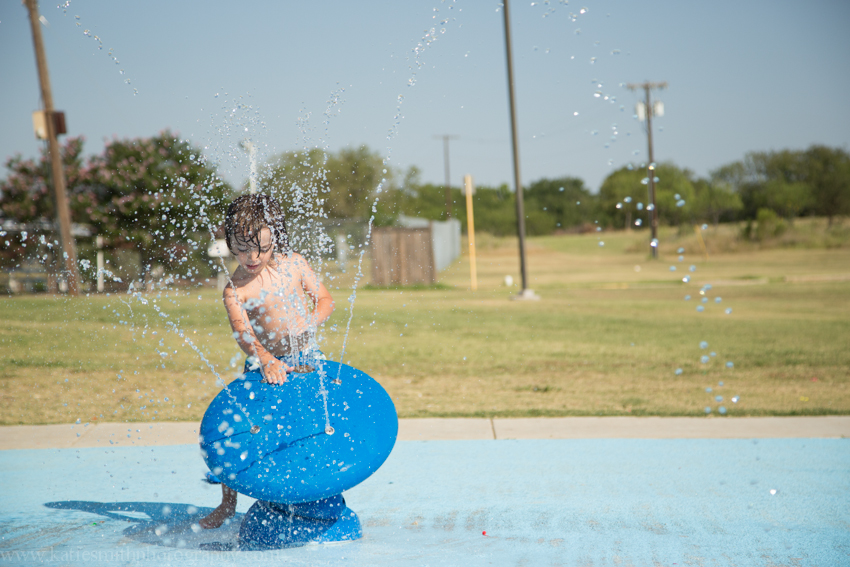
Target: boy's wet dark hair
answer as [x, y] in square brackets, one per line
[248, 215]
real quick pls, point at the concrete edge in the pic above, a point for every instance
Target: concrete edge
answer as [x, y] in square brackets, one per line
[66, 436]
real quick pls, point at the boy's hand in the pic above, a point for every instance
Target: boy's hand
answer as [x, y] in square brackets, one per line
[275, 371]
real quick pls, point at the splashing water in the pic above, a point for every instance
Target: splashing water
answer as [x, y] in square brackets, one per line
[237, 128]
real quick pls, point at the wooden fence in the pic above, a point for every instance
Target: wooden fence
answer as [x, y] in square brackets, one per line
[402, 256]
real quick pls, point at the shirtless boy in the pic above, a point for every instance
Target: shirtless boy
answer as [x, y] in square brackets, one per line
[274, 301]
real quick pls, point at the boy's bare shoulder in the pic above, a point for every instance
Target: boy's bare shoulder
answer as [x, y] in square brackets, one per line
[293, 257]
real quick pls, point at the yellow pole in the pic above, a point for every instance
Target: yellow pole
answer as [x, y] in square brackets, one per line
[470, 223]
[701, 242]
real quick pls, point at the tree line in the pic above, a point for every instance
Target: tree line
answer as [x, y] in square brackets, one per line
[160, 198]
[784, 184]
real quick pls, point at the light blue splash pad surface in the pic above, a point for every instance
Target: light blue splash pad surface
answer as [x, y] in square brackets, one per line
[602, 502]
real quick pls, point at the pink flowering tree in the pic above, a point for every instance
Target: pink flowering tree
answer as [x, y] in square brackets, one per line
[156, 196]
[26, 201]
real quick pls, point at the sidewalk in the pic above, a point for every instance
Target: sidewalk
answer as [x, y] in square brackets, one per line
[455, 429]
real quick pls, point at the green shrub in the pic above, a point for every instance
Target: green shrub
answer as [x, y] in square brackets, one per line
[769, 225]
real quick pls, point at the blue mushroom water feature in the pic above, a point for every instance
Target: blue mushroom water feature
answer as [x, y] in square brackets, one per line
[296, 447]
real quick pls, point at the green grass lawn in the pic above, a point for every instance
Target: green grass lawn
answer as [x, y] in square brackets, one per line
[606, 338]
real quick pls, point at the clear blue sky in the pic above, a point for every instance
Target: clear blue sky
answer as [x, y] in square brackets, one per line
[743, 76]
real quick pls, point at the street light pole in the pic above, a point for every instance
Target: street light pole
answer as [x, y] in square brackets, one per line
[63, 211]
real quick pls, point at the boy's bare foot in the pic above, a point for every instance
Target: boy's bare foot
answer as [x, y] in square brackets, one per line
[217, 517]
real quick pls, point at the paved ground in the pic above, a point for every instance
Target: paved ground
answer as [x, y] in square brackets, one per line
[180, 433]
[585, 491]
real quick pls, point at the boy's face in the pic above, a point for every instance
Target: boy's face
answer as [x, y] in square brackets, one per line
[251, 257]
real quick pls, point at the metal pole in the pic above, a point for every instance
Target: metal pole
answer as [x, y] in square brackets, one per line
[63, 212]
[100, 265]
[470, 229]
[448, 177]
[448, 186]
[520, 209]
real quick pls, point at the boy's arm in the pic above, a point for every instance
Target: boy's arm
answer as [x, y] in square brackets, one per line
[274, 370]
[323, 303]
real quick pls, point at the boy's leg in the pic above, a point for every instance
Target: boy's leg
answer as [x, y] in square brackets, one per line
[225, 510]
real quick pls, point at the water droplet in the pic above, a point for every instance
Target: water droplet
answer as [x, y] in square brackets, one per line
[722, 410]
[672, 268]
[693, 268]
[707, 409]
[687, 297]
[678, 371]
[718, 398]
[773, 491]
[708, 390]
[644, 181]
[735, 399]
[686, 279]
[680, 251]
[730, 364]
[601, 243]
[704, 359]
[712, 353]
[638, 222]
[728, 310]
[703, 345]
[718, 299]
[680, 203]
[705, 227]
[700, 308]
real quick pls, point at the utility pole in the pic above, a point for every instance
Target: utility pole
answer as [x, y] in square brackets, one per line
[525, 293]
[649, 110]
[63, 212]
[446, 138]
